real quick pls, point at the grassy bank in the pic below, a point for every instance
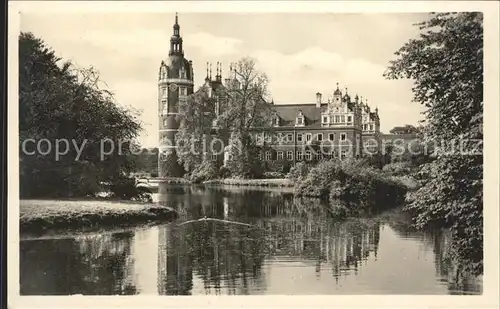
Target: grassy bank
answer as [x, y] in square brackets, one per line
[252, 182]
[40, 216]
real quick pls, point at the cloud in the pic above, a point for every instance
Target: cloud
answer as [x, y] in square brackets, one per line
[136, 42]
[211, 45]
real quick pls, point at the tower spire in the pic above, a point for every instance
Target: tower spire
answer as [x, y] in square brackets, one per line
[176, 40]
[207, 78]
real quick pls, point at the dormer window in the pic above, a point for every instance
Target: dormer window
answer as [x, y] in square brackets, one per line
[300, 121]
[182, 73]
[325, 119]
[276, 121]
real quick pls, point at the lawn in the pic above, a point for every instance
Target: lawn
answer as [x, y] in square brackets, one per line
[39, 216]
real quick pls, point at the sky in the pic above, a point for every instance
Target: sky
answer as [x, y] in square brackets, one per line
[302, 54]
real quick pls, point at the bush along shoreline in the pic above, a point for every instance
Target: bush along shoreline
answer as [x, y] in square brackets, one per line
[351, 186]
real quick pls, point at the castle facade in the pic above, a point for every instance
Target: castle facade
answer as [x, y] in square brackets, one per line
[340, 126]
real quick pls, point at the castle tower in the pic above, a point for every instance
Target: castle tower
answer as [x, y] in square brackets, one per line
[175, 84]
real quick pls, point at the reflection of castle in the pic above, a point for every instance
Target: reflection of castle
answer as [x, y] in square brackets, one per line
[342, 245]
[175, 274]
[224, 255]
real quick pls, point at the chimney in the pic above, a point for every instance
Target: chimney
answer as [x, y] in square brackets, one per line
[318, 99]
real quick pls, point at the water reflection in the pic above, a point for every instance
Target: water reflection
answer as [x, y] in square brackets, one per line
[293, 247]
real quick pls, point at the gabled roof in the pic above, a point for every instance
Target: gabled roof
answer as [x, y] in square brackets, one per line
[289, 112]
[312, 114]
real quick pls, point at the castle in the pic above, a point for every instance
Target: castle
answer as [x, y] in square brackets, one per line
[343, 126]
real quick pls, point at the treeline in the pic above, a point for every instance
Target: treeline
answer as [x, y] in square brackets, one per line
[69, 109]
[446, 65]
[146, 162]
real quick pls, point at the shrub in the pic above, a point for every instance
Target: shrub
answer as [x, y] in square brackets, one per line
[224, 172]
[279, 166]
[126, 189]
[398, 169]
[319, 179]
[351, 181]
[273, 175]
[298, 171]
[207, 170]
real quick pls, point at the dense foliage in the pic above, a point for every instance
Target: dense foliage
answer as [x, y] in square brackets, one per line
[197, 114]
[242, 109]
[446, 65]
[147, 161]
[352, 181]
[58, 101]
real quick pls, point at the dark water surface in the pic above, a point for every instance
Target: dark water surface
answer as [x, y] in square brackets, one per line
[292, 247]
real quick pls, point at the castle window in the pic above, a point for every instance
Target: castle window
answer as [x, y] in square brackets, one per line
[331, 136]
[308, 155]
[260, 156]
[163, 91]
[280, 155]
[217, 106]
[343, 137]
[289, 155]
[320, 137]
[259, 139]
[308, 137]
[289, 138]
[182, 90]
[299, 155]
[165, 123]
[337, 119]
[164, 105]
[343, 154]
[318, 156]
[371, 127]
[342, 118]
[299, 137]
[325, 119]
[268, 138]
[349, 119]
[214, 157]
[269, 155]
[182, 73]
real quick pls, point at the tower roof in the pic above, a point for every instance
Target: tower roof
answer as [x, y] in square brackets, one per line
[176, 24]
[337, 91]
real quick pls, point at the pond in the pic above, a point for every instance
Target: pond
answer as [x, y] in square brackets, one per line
[287, 247]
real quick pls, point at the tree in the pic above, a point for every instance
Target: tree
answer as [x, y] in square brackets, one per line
[58, 101]
[446, 64]
[245, 107]
[195, 124]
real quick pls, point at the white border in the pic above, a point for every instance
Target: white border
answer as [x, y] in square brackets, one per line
[489, 299]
